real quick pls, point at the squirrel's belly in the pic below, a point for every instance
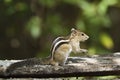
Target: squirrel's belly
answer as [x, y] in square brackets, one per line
[62, 53]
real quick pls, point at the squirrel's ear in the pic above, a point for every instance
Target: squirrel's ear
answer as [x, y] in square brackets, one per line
[73, 29]
[73, 32]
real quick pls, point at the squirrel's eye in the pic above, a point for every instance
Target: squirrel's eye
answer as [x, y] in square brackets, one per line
[82, 34]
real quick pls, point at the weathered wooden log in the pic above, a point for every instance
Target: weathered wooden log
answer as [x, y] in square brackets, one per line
[75, 67]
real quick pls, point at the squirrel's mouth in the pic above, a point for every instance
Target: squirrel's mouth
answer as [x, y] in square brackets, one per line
[84, 40]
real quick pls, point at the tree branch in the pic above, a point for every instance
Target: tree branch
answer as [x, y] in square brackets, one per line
[75, 67]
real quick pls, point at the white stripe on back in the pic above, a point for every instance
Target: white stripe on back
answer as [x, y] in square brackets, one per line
[55, 44]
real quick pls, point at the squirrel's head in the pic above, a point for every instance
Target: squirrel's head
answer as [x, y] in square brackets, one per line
[78, 35]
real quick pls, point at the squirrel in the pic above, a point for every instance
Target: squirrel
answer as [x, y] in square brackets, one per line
[60, 50]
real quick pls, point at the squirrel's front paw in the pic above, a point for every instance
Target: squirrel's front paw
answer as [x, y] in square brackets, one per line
[84, 51]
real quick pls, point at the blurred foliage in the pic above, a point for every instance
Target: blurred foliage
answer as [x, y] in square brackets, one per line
[106, 41]
[33, 27]
[28, 27]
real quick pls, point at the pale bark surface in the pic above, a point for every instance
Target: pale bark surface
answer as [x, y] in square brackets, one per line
[75, 67]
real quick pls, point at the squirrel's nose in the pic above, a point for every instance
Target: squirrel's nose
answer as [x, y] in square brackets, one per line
[87, 37]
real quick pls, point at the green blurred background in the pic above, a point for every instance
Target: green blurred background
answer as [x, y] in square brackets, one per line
[28, 27]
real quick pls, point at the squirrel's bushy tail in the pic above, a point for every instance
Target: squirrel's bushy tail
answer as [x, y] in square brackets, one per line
[26, 62]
